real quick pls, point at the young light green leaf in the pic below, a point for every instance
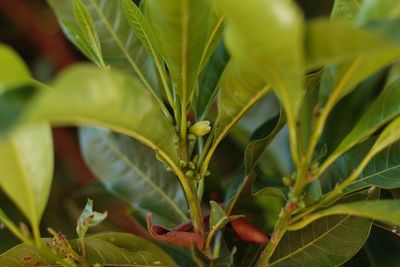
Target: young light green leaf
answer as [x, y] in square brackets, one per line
[86, 25]
[26, 164]
[280, 63]
[348, 73]
[84, 94]
[26, 154]
[389, 135]
[13, 70]
[383, 109]
[131, 171]
[332, 42]
[89, 218]
[183, 29]
[387, 211]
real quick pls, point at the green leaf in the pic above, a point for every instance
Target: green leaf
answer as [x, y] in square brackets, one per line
[280, 63]
[26, 164]
[389, 135]
[273, 192]
[84, 94]
[209, 82]
[86, 25]
[182, 28]
[110, 249]
[264, 135]
[384, 108]
[345, 9]
[217, 215]
[120, 47]
[26, 154]
[387, 211]
[13, 70]
[89, 218]
[240, 89]
[329, 241]
[376, 9]
[351, 71]
[131, 171]
[382, 171]
[332, 42]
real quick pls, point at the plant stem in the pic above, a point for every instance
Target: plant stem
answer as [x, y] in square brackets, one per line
[282, 224]
[279, 231]
[13, 228]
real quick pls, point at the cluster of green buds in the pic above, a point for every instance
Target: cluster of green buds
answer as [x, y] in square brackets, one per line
[189, 167]
[199, 129]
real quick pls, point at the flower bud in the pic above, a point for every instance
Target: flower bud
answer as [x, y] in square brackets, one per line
[200, 128]
[191, 166]
[189, 174]
[191, 137]
[183, 164]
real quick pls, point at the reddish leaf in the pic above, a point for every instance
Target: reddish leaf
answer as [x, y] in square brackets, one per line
[248, 232]
[182, 235]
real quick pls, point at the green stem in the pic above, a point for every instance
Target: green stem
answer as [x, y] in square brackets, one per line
[282, 224]
[13, 228]
[279, 231]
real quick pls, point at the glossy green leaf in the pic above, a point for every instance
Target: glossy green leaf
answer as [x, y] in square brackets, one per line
[383, 170]
[131, 171]
[26, 154]
[384, 108]
[307, 111]
[208, 88]
[142, 29]
[388, 136]
[183, 28]
[261, 139]
[345, 9]
[387, 211]
[86, 25]
[280, 63]
[329, 241]
[110, 249]
[120, 47]
[84, 94]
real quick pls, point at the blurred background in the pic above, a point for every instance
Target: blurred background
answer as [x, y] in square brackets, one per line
[30, 28]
